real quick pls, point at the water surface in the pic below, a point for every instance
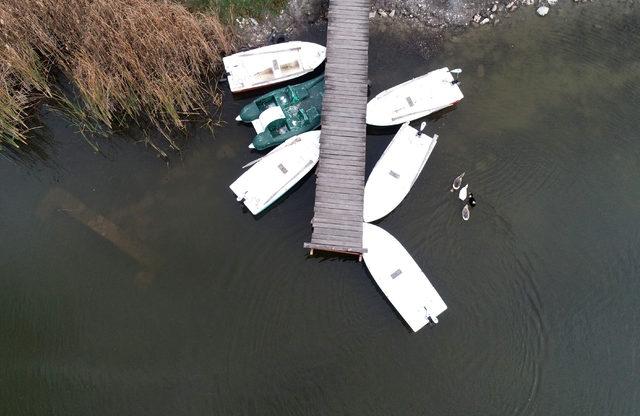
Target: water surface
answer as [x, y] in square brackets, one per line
[191, 306]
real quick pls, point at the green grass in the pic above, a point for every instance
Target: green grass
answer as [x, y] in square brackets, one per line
[234, 8]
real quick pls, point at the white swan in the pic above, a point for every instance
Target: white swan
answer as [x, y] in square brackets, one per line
[466, 213]
[457, 182]
[463, 193]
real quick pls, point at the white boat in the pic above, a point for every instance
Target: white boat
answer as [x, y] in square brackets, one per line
[278, 171]
[400, 278]
[272, 64]
[395, 173]
[414, 99]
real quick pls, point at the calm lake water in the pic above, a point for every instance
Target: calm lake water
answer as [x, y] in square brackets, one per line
[132, 288]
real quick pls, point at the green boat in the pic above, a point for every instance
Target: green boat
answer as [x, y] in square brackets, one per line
[284, 113]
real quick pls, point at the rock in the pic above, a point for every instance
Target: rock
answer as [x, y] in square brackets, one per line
[485, 21]
[477, 18]
[513, 8]
[382, 13]
[552, 2]
[372, 14]
[529, 2]
[393, 13]
[494, 8]
[495, 22]
[542, 10]
[510, 5]
[253, 21]
[492, 16]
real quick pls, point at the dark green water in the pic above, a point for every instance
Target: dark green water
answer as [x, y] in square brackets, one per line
[201, 309]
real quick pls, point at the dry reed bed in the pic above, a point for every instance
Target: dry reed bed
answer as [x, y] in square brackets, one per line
[128, 60]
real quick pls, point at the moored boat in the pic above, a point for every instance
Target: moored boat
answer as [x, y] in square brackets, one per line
[274, 174]
[414, 99]
[400, 278]
[272, 64]
[396, 171]
[285, 112]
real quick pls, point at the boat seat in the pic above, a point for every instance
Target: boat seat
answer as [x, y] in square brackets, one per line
[302, 94]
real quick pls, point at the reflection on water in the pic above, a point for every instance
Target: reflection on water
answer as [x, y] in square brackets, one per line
[541, 283]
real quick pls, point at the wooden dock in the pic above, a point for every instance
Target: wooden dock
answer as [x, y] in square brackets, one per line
[337, 220]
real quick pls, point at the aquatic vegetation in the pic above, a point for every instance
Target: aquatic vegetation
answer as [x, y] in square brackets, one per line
[126, 60]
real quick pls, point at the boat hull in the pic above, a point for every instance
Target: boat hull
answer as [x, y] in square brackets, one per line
[396, 171]
[272, 64]
[400, 278]
[284, 113]
[277, 172]
[414, 99]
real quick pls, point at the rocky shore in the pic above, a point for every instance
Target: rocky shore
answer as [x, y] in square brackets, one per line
[429, 18]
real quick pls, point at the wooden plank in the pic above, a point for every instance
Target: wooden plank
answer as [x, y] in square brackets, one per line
[340, 170]
[347, 227]
[347, 195]
[347, 237]
[347, 181]
[339, 212]
[339, 204]
[335, 240]
[342, 237]
[345, 230]
[357, 251]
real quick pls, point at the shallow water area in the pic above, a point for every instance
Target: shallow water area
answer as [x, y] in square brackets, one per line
[132, 287]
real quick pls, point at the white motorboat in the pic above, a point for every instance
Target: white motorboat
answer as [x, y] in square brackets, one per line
[274, 174]
[414, 99]
[396, 171]
[400, 278]
[272, 64]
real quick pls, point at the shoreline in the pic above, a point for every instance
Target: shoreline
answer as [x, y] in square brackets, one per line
[429, 21]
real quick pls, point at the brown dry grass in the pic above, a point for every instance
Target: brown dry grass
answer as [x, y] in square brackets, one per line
[142, 60]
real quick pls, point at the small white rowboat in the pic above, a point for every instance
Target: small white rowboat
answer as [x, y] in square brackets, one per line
[397, 170]
[414, 99]
[277, 172]
[400, 278]
[272, 64]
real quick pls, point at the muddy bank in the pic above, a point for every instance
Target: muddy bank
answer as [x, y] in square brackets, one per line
[427, 20]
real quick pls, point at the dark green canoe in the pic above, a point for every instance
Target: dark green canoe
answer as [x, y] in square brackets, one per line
[301, 106]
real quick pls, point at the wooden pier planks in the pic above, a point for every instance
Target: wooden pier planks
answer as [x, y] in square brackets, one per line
[337, 220]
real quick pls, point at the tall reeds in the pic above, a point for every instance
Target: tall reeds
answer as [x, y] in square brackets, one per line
[127, 60]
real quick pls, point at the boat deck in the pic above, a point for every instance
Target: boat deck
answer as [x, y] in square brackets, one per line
[337, 220]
